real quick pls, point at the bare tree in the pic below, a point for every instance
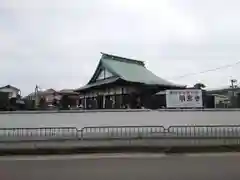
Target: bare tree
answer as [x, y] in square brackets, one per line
[42, 103]
[199, 86]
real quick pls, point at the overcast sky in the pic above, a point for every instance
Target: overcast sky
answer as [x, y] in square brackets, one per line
[57, 43]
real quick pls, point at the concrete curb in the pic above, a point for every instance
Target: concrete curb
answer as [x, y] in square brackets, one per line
[119, 149]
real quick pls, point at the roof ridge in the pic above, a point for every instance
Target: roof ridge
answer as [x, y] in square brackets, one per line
[9, 86]
[122, 59]
[50, 89]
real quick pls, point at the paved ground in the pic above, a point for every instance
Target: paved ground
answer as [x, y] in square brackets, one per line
[121, 167]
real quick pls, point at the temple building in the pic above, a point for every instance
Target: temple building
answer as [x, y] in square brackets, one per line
[120, 82]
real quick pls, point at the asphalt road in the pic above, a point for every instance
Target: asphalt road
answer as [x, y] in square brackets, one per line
[121, 167]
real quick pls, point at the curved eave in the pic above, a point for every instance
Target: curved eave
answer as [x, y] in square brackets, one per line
[97, 83]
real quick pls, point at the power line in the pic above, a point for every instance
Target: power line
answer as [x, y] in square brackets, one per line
[209, 70]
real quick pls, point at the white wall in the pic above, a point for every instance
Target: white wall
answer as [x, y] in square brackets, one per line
[80, 120]
[12, 92]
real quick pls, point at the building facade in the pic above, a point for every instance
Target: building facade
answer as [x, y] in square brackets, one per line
[52, 97]
[226, 97]
[120, 82]
[12, 91]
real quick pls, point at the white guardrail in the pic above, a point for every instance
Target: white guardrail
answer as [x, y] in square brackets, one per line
[120, 133]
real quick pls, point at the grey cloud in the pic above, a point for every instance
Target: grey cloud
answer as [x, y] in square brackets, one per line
[58, 43]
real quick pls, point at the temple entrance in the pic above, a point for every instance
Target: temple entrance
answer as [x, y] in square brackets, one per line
[100, 101]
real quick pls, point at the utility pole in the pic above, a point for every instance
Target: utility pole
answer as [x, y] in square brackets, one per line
[232, 83]
[233, 86]
[36, 96]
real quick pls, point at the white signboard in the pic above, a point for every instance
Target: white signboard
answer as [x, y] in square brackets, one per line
[185, 98]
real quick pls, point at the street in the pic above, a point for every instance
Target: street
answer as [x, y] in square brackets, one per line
[121, 167]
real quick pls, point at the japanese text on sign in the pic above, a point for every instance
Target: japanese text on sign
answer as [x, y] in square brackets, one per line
[184, 98]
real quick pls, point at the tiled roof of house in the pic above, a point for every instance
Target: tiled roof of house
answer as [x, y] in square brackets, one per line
[224, 89]
[133, 71]
[129, 70]
[9, 86]
[52, 91]
[42, 93]
[68, 91]
[98, 83]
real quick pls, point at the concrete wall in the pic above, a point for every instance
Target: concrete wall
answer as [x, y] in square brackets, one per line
[82, 119]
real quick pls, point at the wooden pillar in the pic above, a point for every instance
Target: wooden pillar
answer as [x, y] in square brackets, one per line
[104, 99]
[121, 101]
[85, 102]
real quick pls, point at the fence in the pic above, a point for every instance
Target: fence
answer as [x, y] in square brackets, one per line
[205, 131]
[120, 132]
[45, 133]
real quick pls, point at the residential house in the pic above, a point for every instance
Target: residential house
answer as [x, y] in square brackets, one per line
[12, 91]
[51, 95]
[226, 97]
[228, 91]
[71, 98]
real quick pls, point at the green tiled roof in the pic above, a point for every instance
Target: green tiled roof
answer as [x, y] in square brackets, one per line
[132, 71]
[126, 69]
[98, 83]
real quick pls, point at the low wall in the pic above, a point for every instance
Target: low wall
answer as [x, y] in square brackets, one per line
[80, 119]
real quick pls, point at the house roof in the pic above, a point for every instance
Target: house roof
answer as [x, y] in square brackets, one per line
[98, 83]
[222, 90]
[220, 96]
[9, 86]
[128, 70]
[134, 72]
[68, 91]
[52, 91]
[42, 93]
